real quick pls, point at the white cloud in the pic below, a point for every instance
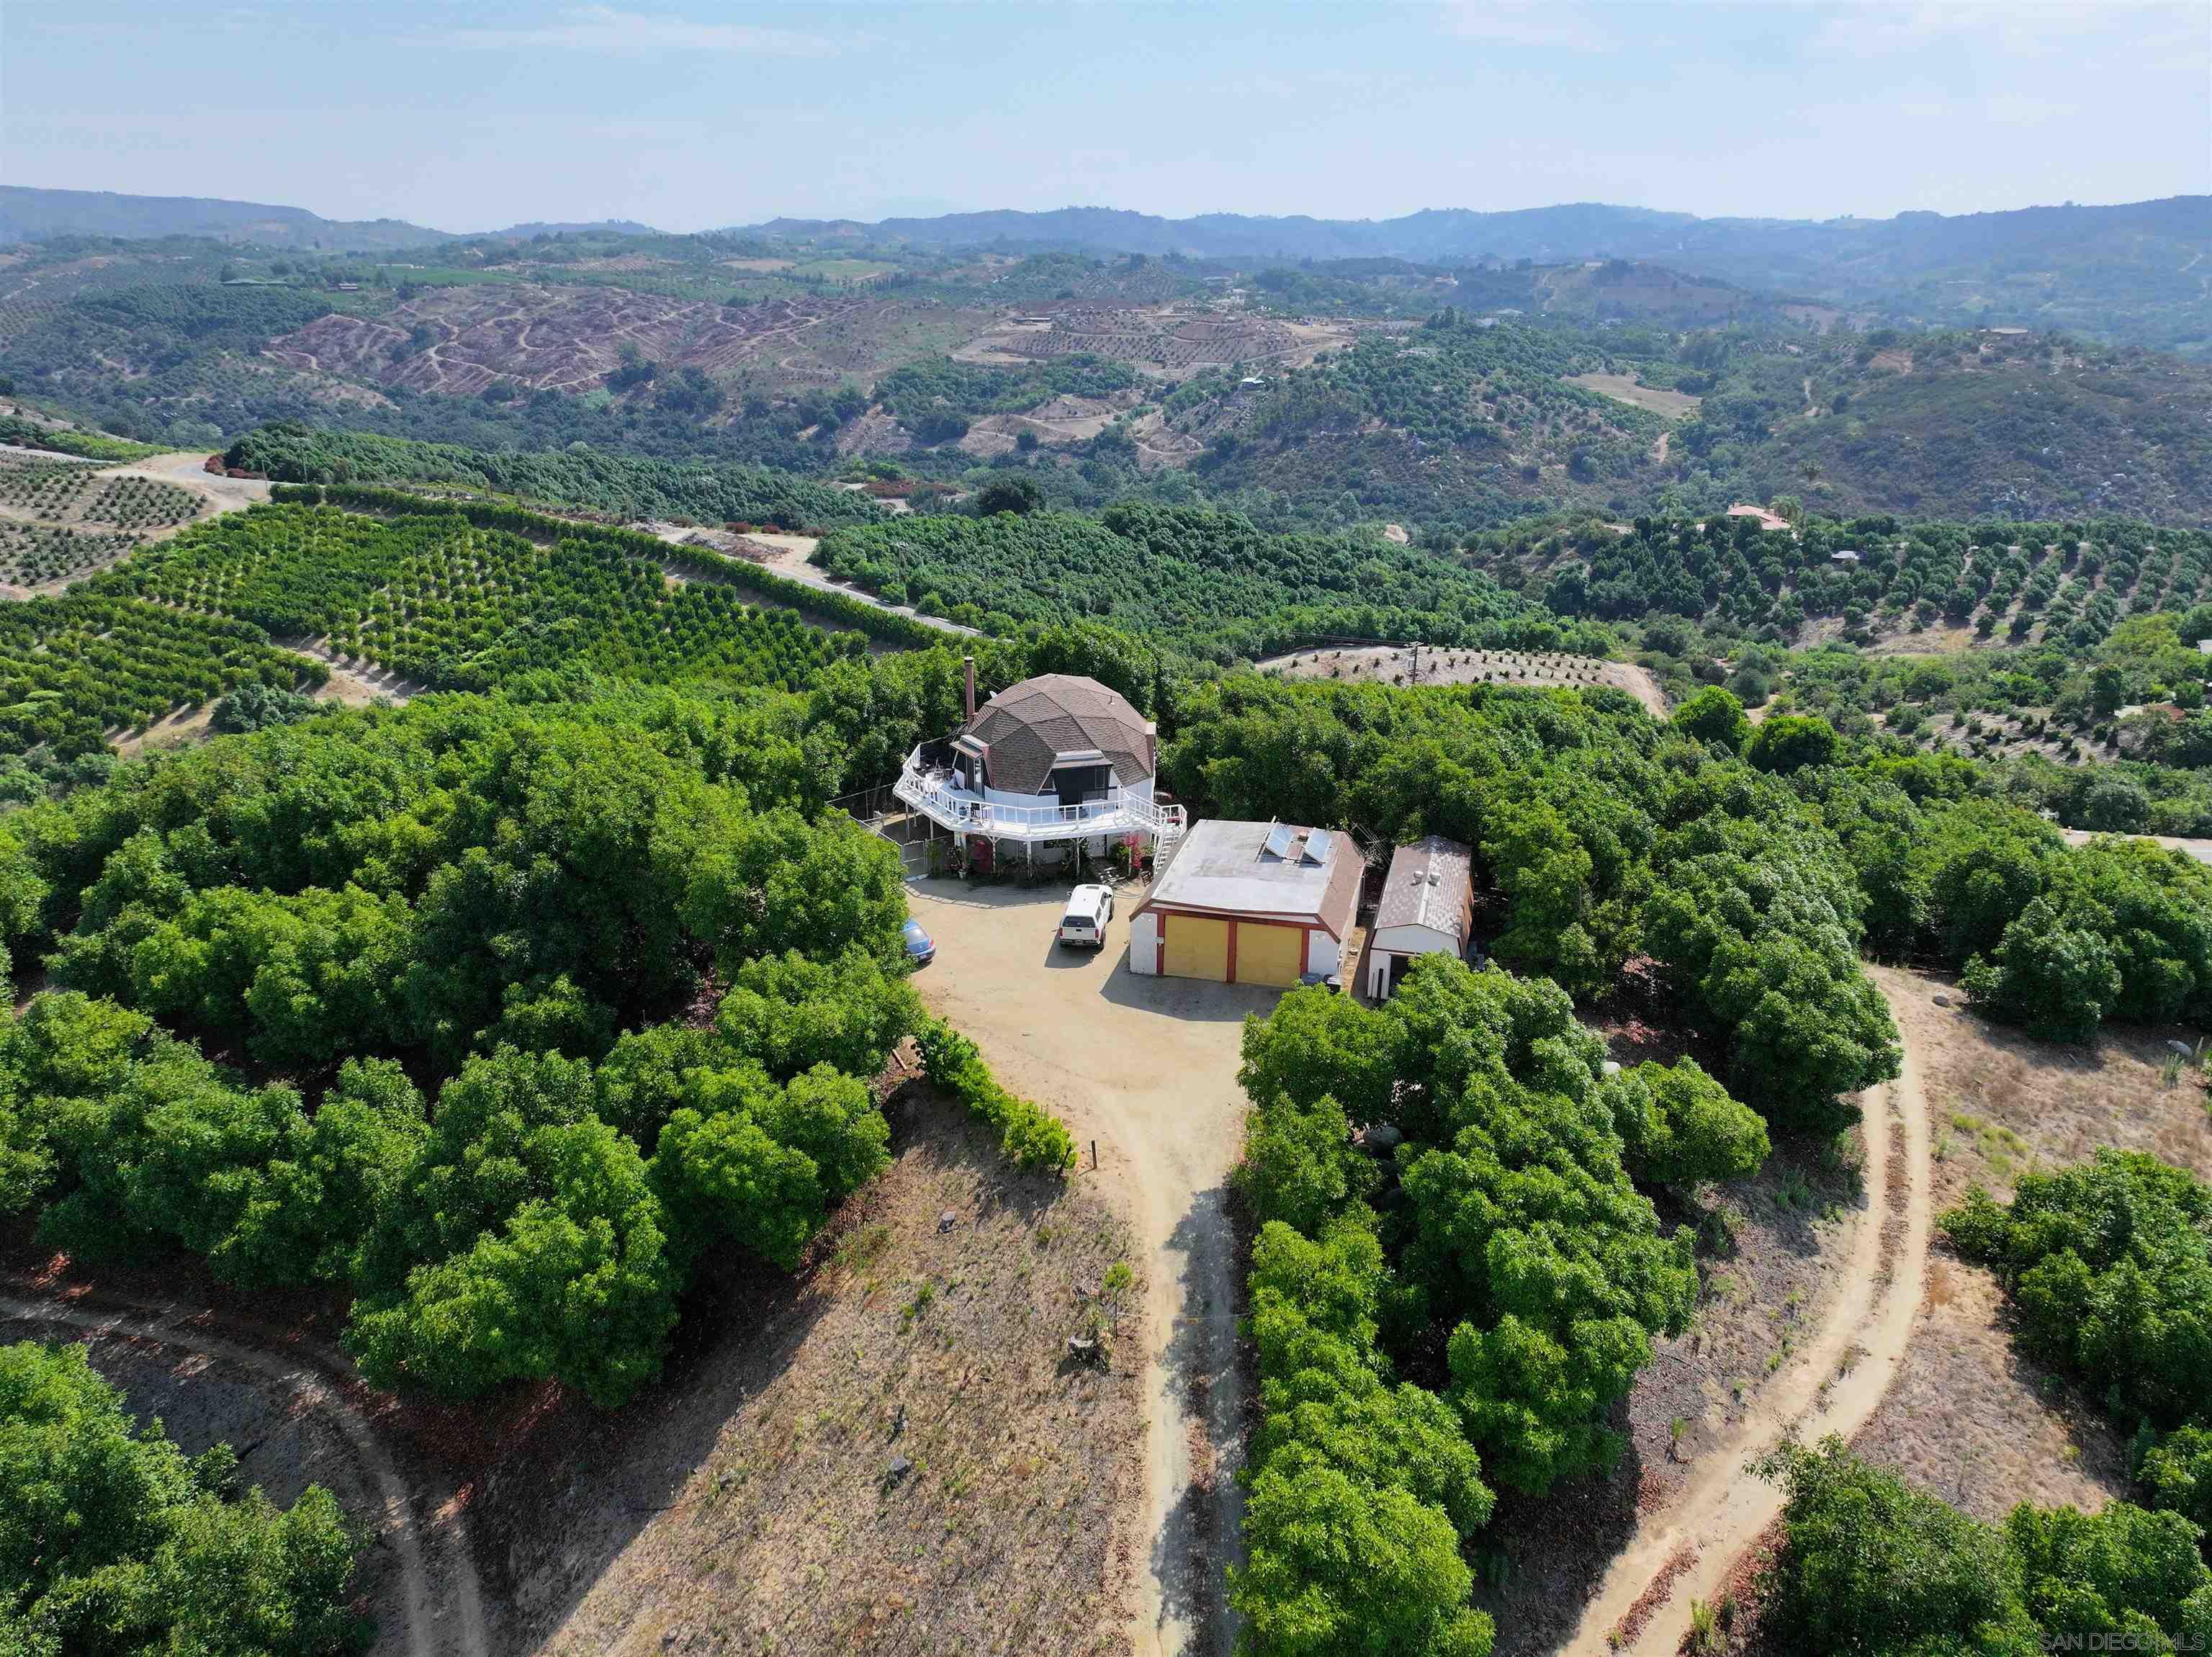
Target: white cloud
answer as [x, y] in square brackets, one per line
[606, 32]
[1874, 29]
[1556, 28]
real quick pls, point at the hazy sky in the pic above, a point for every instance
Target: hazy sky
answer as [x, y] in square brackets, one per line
[691, 115]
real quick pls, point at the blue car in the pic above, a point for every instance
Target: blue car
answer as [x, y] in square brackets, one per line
[919, 949]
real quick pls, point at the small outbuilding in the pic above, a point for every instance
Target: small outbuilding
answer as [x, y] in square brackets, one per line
[1427, 908]
[1248, 903]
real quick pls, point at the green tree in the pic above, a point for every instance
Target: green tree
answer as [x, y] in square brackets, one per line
[1680, 1126]
[1714, 716]
[1335, 1567]
[1872, 1566]
[791, 1013]
[1299, 1164]
[2110, 1270]
[1792, 742]
[2054, 979]
[112, 1540]
[526, 1241]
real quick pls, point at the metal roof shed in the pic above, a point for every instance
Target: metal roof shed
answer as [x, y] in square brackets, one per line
[1427, 908]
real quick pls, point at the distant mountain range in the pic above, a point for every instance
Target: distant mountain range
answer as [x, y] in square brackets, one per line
[33, 214]
[1578, 230]
[2138, 271]
[2141, 272]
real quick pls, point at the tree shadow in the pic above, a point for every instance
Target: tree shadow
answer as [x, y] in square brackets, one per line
[1208, 1385]
[1185, 998]
[1540, 1559]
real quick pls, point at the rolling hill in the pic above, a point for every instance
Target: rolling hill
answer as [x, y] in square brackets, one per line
[2128, 272]
[33, 214]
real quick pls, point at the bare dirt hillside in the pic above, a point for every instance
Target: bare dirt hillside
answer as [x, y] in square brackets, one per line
[1972, 1418]
[892, 1453]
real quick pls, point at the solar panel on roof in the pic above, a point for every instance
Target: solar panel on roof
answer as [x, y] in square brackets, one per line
[1282, 839]
[1319, 844]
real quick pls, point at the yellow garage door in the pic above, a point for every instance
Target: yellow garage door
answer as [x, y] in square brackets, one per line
[1196, 948]
[1268, 954]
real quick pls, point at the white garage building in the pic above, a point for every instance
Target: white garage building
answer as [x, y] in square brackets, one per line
[1427, 908]
[1248, 903]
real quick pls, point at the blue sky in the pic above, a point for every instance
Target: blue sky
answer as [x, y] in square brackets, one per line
[691, 115]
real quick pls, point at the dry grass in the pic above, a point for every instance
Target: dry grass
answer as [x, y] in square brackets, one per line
[754, 1503]
[1623, 388]
[1970, 1418]
[1768, 1286]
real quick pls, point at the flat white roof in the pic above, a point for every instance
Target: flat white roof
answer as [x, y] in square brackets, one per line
[1226, 867]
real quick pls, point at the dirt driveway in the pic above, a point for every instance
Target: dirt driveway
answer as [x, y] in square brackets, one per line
[1683, 1553]
[1147, 1067]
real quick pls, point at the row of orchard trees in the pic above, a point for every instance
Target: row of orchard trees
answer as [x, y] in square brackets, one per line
[75, 668]
[456, 605]
[1209, 582]
[391, 1000]
[630, 486]
[1507, 1239]
[1468, 1315]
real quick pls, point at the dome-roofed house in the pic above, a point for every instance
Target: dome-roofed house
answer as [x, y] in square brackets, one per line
[1053, 759]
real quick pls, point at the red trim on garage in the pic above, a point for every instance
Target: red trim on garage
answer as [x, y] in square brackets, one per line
[1232, 977]
[1305, 950]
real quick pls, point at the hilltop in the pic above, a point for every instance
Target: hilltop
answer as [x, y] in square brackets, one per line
[2121, 272]
[34, 215]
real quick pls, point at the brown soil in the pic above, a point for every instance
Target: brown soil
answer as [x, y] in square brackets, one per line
[1391, 664]
[1171, 339]
[753, 1501]
[353, 681]
[1831, 1379]
[1144, 1069]
[176, 730]
[1972, 1418]
[1623, 388]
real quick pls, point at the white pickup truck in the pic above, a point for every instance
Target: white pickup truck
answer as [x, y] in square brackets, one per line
[1083, 922]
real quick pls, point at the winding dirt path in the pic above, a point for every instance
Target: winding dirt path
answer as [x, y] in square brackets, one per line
[1833, 1387]
[456, 1631]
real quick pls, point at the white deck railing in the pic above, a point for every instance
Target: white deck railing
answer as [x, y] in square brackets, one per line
[937, 796]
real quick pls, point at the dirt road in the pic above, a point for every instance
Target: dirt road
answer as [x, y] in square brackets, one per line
[1147, 1067]
[791, 557]
[443, 1606]
[1834, 1388]
[2200, 850]
[190, 470]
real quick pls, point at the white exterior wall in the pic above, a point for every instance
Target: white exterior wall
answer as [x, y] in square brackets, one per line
[1323, 952]
[1145, 944]
[1401, 941]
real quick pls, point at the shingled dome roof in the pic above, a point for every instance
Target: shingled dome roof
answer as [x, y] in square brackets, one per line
[1028, 725]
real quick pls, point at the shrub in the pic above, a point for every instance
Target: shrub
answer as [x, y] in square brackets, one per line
[112, 1539]
[2110, 1267]
[1030, 1137]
